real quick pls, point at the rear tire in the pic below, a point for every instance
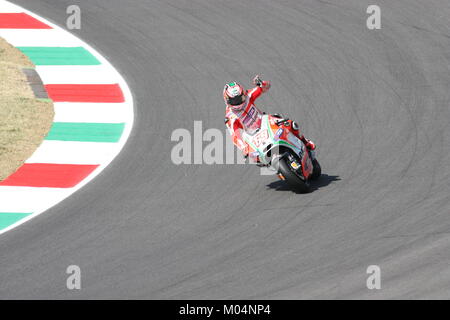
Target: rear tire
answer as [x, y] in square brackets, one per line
[317, 170]
[291, 178]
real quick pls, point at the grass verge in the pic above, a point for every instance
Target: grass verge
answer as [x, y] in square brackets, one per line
[24, 119]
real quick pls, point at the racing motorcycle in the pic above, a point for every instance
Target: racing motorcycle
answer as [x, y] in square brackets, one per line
[278, 148]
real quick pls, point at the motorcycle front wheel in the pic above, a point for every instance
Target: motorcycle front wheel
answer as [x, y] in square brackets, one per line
[292, 179]
[317, 170]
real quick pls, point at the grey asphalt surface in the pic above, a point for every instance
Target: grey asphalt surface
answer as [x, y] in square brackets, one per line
[375, 102]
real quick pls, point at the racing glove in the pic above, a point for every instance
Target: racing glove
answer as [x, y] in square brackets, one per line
[310, 145]
[265, 85]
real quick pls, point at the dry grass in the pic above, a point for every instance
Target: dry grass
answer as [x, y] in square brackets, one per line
[24, 120]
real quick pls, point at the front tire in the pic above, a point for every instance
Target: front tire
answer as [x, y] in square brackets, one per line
[291, 178]
[317, 170]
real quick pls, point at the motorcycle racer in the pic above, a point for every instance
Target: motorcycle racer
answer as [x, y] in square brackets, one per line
[242, 114]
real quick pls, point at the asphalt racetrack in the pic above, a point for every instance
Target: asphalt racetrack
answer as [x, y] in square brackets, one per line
[376, 102]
